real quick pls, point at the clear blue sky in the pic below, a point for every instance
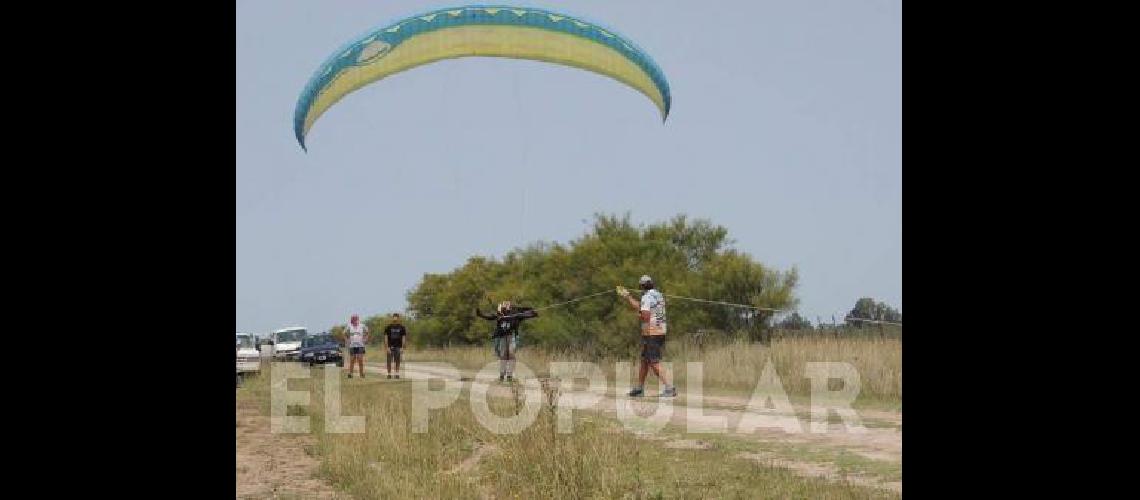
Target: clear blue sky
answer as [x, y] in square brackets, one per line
[785, 128]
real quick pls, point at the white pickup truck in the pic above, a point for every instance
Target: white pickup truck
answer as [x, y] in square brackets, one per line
[248, 358]
[287, 343]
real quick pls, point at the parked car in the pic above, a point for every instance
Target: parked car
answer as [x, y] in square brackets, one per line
[321, 349]
[248, 359]
[287, 343]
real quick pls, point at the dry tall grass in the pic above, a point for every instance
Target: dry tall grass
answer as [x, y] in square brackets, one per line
[732, 367]
[595, 461]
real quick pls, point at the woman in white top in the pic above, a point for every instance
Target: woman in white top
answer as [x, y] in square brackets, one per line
[357, 337]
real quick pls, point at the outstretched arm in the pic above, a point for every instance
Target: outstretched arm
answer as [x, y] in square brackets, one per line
[525, 313]
[634, 303]
[623, 293]
[479, 314]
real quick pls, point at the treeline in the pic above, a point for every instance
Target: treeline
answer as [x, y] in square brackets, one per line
[685, 257]
[867, 313]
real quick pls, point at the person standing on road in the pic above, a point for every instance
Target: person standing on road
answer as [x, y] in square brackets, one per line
[651, 310]
[507, 319]
[357, 337]
[394, 335]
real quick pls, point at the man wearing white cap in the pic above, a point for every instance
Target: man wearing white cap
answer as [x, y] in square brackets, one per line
[651, 309]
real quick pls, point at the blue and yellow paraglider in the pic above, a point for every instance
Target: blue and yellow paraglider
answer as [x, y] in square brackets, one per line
[478, 31]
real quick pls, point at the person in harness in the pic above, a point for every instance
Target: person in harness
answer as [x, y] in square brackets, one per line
[507, 319]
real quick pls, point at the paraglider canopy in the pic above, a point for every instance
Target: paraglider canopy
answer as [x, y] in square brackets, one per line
[478, 31]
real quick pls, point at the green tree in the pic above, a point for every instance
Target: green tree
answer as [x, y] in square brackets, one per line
[867, 308]
[685, 257]
[339, 332]
[795, 322]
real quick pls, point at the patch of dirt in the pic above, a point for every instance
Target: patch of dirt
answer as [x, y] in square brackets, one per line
[826, 471]
[877, 455]
[875, 443]
[469, 463]
[741, 403]
[689, 444]
[271, 465]
[649, 436]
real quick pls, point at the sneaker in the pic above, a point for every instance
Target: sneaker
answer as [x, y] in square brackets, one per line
[397, 376]
[669, 393]
[502, 377]
[389, 375]
[349, 375]
[510, 378]
[637, 391]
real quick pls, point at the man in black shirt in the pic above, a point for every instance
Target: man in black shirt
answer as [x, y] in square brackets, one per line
[394, 335]
[506, 336]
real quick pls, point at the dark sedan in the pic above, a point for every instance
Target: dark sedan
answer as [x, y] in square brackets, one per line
[321, 349]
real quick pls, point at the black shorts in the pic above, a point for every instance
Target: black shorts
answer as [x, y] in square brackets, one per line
[652, 347]
[395, 353]
[356, 350]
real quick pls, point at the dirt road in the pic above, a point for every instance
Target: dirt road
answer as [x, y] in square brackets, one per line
[796, 447]
[275, 465]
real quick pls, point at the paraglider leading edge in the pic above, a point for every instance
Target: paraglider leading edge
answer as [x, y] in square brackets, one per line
[487, 31]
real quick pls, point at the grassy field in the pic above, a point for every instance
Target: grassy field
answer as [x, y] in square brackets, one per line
[732, 368]
[459, 458]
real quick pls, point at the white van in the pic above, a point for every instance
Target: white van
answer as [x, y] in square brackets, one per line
[287, 343]
[248, 359]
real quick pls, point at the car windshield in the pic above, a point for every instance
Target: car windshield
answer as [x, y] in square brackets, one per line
[244, 341]
[320, 339]
[291, 336]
